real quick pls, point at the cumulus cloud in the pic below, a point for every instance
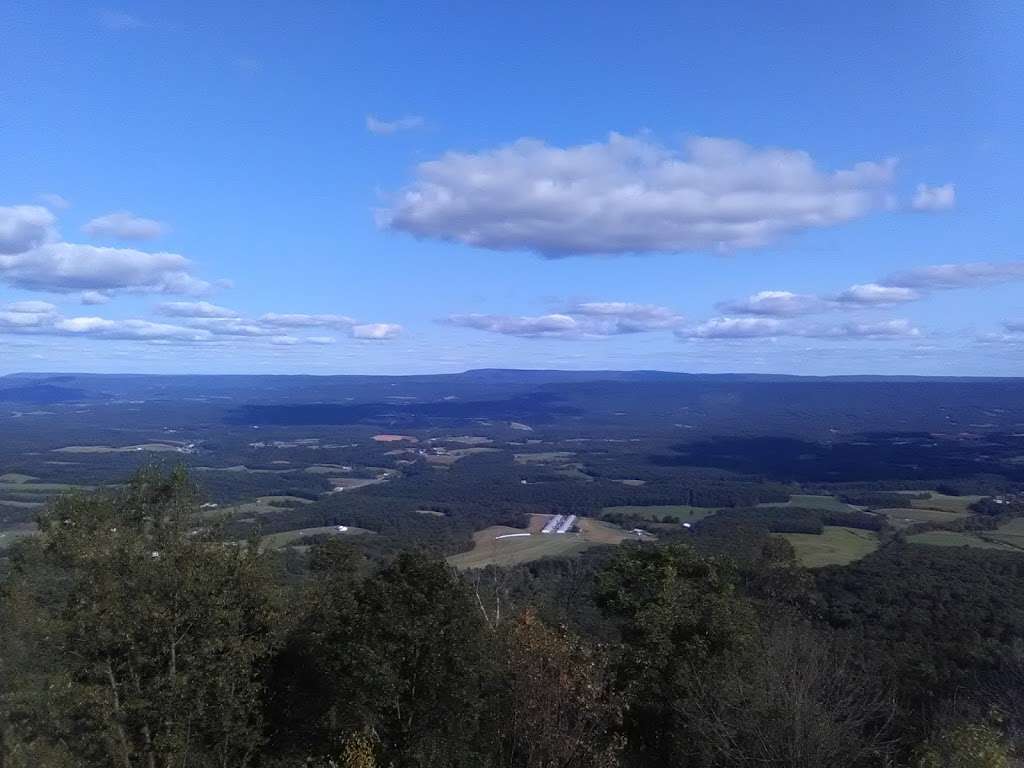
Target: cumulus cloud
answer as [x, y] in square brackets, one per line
[24, 227]
[388, 127]
[899, 328]
[776, 303]
[873, 294]
[951, 276]
[70, 267]
[733, 328]
[124, 225]
[542, 326]
[770, 327]
[941, 198]
[194, 309]
[631, 195]
[376, 331]
[581, 320]
[307, 321]
[94, 298]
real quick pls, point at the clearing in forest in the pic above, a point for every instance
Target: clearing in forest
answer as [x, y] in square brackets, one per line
[836, 545]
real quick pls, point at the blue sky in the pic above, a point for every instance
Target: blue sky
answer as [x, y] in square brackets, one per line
[389, 188]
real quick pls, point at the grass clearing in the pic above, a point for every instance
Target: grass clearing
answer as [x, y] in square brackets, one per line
[944, 503]
[151, 447]
[811, 501]
[15, 532]
[545, 457]
[904, 517]
[959, 539]
[285, 538]
[836, 545]
[490, 550]
[16, 478]
[450, 457]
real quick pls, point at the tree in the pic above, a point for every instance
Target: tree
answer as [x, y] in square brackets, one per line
[554, 708]
[794, 699]
[677, 612]
[158, 633]
[971, 745]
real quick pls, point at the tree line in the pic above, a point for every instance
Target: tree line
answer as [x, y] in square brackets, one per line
[131, 637]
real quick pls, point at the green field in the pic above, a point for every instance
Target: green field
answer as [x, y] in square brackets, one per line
[14, 477]
[906, 516]
[283, 539]
[489, 550]
[681, 512]
[958, 539]
[835, 546]
[10, 535]
[808, 501]
[943, 502]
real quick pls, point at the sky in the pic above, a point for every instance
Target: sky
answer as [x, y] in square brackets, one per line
[319, 187]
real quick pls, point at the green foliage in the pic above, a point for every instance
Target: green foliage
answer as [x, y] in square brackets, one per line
[971, 745]
[677, 612]
[153, 638]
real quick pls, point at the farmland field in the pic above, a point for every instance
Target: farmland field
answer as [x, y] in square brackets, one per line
[958, 539]
[945, 503]
[283, 539]
[906, 516]
[808, 501]
[836, 545]
[490, 550]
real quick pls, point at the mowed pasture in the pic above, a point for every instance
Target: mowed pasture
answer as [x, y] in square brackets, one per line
[811, 501]
[287, 538]
[836, 545]
[904, 517]
[960, 539]
[13, 533]
[944, 503]
[488, 549]
[681, 512]
[143, 447]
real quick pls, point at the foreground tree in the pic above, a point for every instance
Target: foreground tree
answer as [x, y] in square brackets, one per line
[678, 612]
[794, 699]
[156, 633]
[553, 707]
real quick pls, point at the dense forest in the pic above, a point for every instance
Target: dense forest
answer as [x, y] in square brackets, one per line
[131, 637]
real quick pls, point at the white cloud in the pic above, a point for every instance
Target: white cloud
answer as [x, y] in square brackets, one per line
[873, 294]
[586, 319]
[231, 326]
[24, 227]
[776, 303]
[951, 276]
[194, 309]
[307, 321]
[386, 128]
[70, 267]
[1014, 326]
[376, 331]
[631, 195]
[941, 198]
[882, 329]
[32, 307]
[733, 328]
[124, 225]
[94, 298]
[543, 326]
[627, 315]
[769, 327]
[142, 330]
